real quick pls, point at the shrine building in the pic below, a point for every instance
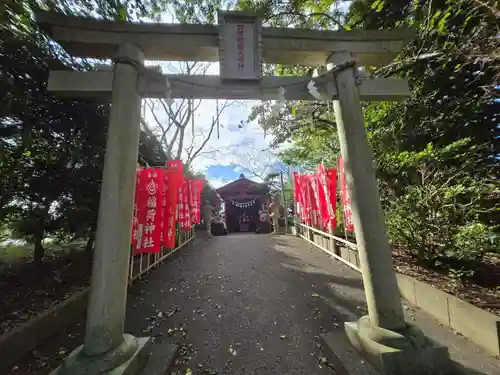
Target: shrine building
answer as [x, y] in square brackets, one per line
[243, 199]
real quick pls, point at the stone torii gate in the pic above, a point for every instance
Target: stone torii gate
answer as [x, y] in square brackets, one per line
[240, 44]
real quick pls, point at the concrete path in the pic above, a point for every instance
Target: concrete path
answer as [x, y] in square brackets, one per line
[256, 304]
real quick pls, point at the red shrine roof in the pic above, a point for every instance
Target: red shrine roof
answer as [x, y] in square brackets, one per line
[243, 186]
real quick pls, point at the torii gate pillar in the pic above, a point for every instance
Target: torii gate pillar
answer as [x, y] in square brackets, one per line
[106, 348]
[383, 337]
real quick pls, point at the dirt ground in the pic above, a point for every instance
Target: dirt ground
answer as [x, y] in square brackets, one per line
[483, 290]
[27, 290]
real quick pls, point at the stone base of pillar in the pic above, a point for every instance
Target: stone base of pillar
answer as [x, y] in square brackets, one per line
[128, 359]
[393, 353]
[341, 355]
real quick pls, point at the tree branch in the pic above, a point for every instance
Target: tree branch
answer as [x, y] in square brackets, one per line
[215, 120]
[303, 17]
[492, 8]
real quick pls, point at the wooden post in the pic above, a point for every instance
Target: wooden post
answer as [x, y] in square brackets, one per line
[296, 218]
[333, 244]
[285, 210]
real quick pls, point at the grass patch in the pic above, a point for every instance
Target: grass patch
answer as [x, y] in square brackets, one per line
[20, 252]
[14, 252]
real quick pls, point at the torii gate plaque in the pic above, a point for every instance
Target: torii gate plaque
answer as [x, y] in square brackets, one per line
[240, 36]
[383, 336]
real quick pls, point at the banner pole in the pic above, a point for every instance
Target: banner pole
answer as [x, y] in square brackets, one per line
[285, 210]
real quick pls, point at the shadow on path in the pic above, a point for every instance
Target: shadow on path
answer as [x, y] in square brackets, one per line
[246, 304]
[249, 304]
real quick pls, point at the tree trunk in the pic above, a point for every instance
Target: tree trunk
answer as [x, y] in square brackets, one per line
[89, 247]
[38, 249]
[90, 243]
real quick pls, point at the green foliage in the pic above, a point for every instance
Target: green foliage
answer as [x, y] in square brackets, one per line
[437, 154]
[52, 149]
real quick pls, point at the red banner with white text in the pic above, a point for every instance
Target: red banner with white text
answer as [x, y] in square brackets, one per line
[197, 189]
[316, 197]
[319, 204]
[163, 198]
[324, 203]
[186, 203]
[299, 201]
[171, 179]
[307, 215]
[135, 216]
[331, 192]
[176, 165]
[149, 211]
[345, 198]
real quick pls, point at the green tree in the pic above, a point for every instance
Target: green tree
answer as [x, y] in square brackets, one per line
[437, 153]
[51, 148]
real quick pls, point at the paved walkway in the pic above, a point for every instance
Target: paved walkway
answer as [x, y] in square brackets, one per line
[248, 304]
[256, 304]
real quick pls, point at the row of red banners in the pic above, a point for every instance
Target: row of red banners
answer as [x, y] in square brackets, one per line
[316, 197]
[163, 199]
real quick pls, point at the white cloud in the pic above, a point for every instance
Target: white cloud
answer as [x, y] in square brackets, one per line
[244, 146]
[218, 182]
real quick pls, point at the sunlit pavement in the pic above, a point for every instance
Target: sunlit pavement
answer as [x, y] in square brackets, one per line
[256, 304]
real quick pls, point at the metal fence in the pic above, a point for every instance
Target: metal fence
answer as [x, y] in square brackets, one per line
[142, 263]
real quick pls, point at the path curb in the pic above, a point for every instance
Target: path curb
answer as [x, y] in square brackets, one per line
[478, 325]
[27, 336]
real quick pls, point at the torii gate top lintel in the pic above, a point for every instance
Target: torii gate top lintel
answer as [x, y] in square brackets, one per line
[93, 38]
[239, 43]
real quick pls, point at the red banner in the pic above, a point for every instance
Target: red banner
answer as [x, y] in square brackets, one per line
[149, 221]
[346, 200]
[320, 204]
[323, 200]
[299, 200]
[186, 203]
[312, 203]
[307, 199]
[171, 180]
[197, 189]
[135, 217]
[316, 197]
[327, 195]
[177, 166]
[314, 200]
[140, 210]
[331, 192]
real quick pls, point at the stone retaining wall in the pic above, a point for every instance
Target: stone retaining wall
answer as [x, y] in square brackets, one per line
[480, 326]
[26, 337]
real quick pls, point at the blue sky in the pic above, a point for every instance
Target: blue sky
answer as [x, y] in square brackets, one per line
[217, 171]
[237, 150]
[220, 172]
